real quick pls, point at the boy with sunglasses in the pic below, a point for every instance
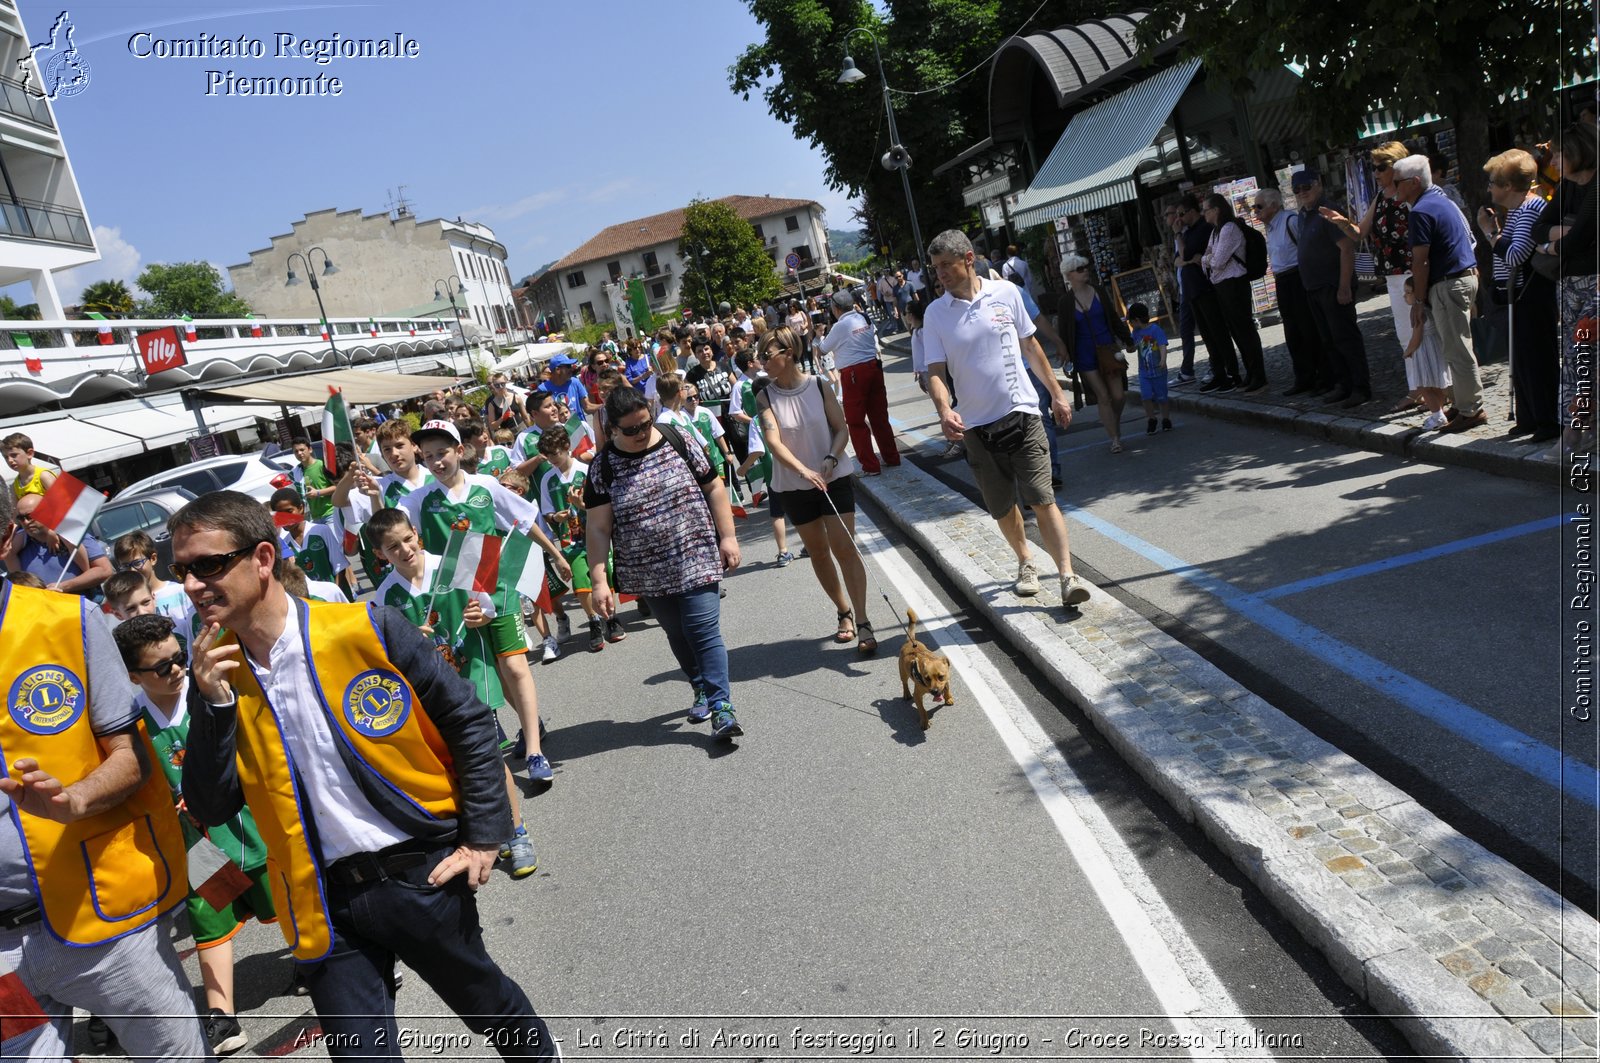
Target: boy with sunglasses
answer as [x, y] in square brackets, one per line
[157, 665]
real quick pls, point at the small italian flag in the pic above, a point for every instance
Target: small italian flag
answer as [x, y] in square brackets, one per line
[214, 877]
[188, 328]
[372, 327]
[476, 562]
[413, 328]
[68, 507]
[105, 337]
[324, 328]
[32, 361]
[255, 326]
[335, 430]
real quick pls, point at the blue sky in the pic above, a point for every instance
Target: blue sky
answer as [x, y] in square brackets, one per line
[545, 120]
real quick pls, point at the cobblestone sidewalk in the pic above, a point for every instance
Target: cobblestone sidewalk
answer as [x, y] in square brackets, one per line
[1468, 955]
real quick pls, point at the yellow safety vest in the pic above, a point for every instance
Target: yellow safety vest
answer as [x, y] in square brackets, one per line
[109, 874]
[375, 712]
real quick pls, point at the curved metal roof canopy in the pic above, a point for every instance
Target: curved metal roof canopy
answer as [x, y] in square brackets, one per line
[1070, 59]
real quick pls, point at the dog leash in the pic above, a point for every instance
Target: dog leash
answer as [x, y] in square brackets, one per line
[899, 617]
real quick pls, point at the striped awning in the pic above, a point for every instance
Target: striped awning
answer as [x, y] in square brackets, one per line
[1092, 165]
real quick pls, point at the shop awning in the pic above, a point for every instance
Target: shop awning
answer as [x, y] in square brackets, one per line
[76, 444]
[311, 389]
[1092, 164]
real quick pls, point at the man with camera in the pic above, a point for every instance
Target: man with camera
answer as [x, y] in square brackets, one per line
[980, 334]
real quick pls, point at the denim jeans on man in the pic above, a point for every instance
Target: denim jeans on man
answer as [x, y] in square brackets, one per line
[693, 623]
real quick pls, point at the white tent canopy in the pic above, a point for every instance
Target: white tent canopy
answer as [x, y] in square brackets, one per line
[531, 353]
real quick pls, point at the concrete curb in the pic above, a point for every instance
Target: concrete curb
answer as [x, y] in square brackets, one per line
[1375, 956]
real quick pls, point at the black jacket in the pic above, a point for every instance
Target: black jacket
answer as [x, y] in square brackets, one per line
[1067, 324]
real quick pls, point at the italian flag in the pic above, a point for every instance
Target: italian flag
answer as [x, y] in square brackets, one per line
[188, 328]
[32, 361]
[68, 507]
[324, 328]
[255, 326]
[106, 338]
[476, 562]
[335, 430]
[580, 435]
[213, 876]
[372, 327]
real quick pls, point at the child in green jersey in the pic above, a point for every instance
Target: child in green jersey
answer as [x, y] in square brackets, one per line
[316, 548]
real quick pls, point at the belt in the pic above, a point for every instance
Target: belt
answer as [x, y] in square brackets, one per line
[376, 867]
[20, 916]
[1458, 274]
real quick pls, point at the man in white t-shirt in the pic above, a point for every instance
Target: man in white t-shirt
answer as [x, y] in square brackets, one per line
[1015, 269]
[854, 347]
[980, 334]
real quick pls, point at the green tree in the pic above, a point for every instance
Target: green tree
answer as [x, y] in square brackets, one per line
[1459, 60]
[194, 288]
[11, 311]
[109, 297]
[723, 256]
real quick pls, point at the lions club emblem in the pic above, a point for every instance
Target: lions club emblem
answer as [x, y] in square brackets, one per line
[46, 699]
[377, 703]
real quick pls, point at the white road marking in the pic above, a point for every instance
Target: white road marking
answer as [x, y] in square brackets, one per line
[1172, 964]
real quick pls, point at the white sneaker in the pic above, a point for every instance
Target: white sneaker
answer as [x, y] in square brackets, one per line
[551, 650]
[563, 627]
[1434, 421]
[1073, 590]
[1027, 580]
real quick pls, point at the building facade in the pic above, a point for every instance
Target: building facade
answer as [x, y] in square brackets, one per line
[648, 248]
[43, 225]
[386, 264]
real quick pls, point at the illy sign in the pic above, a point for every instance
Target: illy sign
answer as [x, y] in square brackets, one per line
[161, 350]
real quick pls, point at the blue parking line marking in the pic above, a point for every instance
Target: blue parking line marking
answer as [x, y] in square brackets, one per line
[1545, 763]
[1400, 560]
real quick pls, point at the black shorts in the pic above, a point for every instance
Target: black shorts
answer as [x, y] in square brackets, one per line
[803, 507]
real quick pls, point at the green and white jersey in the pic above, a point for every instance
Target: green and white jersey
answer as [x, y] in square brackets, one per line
[318, 551]
[478, 503]
[526, 447]
[326, 592]
[467, 650]
[560, 491]
[495, 460]
[708, 426]
[395, 488]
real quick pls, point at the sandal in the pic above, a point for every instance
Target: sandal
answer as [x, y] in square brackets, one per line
[867, 644]
[1406, 404]
[1116, 447]
[842, 636]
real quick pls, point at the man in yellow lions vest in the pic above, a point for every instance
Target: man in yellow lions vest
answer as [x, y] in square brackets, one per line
[91, 855]
[374, 775]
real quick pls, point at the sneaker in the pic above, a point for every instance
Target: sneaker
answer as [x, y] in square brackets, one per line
[615, 632]
[785, 559]
[1226, 386]
[539, 769]
[1150, 427]
[1166, 424]
[552, 650]
[1073, 590]
[954, 450]
[563, 627]
[223, 1033]
[500, 733]
[298, 987]
[597, 635]
[1211, 385]
[1027, 580]
[700, 711]
[519, 748]
[524, 861]
[1434, 421]
[1185, 378]
[100, 1035]
[723, 726]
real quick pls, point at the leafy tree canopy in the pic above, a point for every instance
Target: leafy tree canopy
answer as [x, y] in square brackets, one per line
[10, 310]
[109, 297]
[194, 288]
[723, 256]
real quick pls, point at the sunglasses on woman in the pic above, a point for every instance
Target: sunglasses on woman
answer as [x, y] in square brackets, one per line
[211, 564]
[633, 431]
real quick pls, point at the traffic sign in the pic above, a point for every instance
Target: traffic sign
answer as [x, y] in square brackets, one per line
[792, 261]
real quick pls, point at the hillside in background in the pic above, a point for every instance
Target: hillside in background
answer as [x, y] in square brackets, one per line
[848, 246]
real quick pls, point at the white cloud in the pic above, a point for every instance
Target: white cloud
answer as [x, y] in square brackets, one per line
[119, 260]
[503, 212]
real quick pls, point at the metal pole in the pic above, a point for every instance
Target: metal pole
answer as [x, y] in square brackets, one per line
[316, 290]
[894, 138]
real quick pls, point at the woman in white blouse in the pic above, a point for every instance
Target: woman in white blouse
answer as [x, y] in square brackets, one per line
[1224, 263]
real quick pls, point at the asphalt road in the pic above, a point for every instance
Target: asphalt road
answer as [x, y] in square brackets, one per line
[1407, 613]
[999, 885]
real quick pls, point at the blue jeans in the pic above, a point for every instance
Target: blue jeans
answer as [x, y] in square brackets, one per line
[435, 932]
[1049, 421]
[693, 623]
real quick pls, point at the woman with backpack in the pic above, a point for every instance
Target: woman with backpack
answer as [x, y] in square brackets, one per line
[1227, 265]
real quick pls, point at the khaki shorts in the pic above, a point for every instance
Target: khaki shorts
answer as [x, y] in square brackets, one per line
[1005, 478]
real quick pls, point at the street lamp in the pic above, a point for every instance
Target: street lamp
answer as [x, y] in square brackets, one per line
[441, 289]
[699, 252]
[328, 270]
[897, 157]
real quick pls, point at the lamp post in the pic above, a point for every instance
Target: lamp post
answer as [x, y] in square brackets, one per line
[699, 257]
[328, 270]
[897, 157]
[441, 289]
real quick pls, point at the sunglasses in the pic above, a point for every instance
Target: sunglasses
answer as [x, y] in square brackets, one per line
[165, 667]
[1382, 167]
[211, 564]
[636, 430]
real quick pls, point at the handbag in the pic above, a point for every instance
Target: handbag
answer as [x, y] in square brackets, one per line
[1006, 435]
[1547, 265]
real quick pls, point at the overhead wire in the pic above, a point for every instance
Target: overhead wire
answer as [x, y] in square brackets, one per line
[940, 88]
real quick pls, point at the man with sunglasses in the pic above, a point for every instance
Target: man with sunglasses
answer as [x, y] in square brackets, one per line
[375, 777]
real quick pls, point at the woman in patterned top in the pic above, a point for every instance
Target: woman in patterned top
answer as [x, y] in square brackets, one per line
[660, 526]
[1384, 228]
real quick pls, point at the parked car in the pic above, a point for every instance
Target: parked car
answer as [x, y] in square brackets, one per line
[148, 512]
[251, 473]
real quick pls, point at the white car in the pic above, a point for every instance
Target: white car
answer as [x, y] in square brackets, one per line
[252, 474]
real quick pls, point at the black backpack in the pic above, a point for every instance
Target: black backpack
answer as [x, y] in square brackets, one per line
[600, 468]
[1255, 251]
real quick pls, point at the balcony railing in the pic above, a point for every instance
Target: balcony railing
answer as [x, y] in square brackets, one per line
[15, 100]
[28, 219]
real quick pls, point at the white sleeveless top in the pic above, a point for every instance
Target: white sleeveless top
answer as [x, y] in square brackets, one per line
[803, 427]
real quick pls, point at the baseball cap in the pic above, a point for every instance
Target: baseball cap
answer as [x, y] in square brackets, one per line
[559, 360]
[844, 300]
[1304, 178]
[436, 428]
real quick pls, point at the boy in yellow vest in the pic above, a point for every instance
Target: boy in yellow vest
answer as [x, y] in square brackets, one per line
[373, 774]
[91, 856]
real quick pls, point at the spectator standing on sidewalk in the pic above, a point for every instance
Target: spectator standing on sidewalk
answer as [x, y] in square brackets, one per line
[1094, 338]
[1566, 229]
[1174, 216]
[1224, 262]
[1202, 297]
[1016, 270]
[979, 334]
[1443, 266]
[1384, 227]
[866, 401]
[1283, 253]
[1328, 271]
[1535, 361]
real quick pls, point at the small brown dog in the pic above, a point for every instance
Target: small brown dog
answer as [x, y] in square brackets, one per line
[926, 671]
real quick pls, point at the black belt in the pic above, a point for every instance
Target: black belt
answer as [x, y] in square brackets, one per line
[376, 867]
[20, 916]
[1458, 274]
